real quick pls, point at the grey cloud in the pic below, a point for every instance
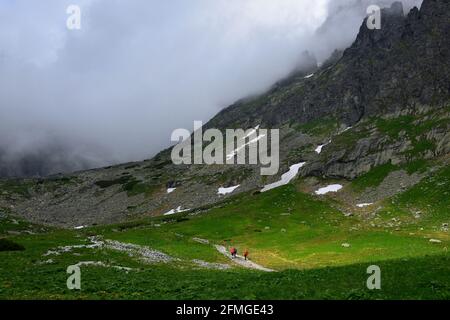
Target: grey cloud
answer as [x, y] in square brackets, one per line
[114, 90]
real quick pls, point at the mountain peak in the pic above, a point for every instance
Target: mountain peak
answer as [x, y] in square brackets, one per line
[396, 9]
[391, 28]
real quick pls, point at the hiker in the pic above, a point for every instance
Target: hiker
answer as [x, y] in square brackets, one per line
[233, 252]
[246, 254]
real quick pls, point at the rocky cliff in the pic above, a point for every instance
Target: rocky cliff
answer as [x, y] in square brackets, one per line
[403, 64]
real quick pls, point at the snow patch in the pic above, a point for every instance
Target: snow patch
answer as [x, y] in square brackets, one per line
[79, 227]
[223, 191]
[309, 76]
[345, 130]
[177, 210]
[235, 152]
[319, 148]
[328, 189]
[253, 131]
[170, 190]
[363, 205]
[285, 178]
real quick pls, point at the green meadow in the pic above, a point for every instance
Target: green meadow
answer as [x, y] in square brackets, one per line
[316, 251]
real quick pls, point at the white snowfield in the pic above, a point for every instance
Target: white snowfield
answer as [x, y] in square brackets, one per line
[170, 190]
[319, 148]
[285, 178]
[309, 76]
[177, 210]
[235, 152]
[328, 189]
[345, 130]
[224, 191]
[253, 131]
[363, 205]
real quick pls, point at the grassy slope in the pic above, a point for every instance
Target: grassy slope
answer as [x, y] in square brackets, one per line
[305, 246]
[430, 199]
[310, 237]
[297, 234]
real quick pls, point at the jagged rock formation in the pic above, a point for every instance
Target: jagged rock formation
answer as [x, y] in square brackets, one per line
[403, 64]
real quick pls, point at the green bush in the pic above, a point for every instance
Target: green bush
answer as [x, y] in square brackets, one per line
[109, 183]
[8, 245]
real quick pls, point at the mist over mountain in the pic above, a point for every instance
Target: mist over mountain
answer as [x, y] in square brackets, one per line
[47, 156]
[113, 91]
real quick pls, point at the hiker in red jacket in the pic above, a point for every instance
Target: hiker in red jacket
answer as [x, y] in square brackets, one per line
[233, 252]
[246, 254]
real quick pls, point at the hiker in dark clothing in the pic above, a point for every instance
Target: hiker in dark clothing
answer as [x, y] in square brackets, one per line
[246, 254]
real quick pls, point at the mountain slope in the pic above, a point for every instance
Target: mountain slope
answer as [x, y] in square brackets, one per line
[317, 252]
[383, 104]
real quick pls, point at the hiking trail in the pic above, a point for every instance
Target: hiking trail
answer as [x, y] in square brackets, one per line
[241, 260]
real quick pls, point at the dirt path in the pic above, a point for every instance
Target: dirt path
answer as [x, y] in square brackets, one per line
[241, 260]
[149, 255]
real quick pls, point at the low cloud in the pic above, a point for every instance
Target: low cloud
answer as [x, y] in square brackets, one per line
[114, 91]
